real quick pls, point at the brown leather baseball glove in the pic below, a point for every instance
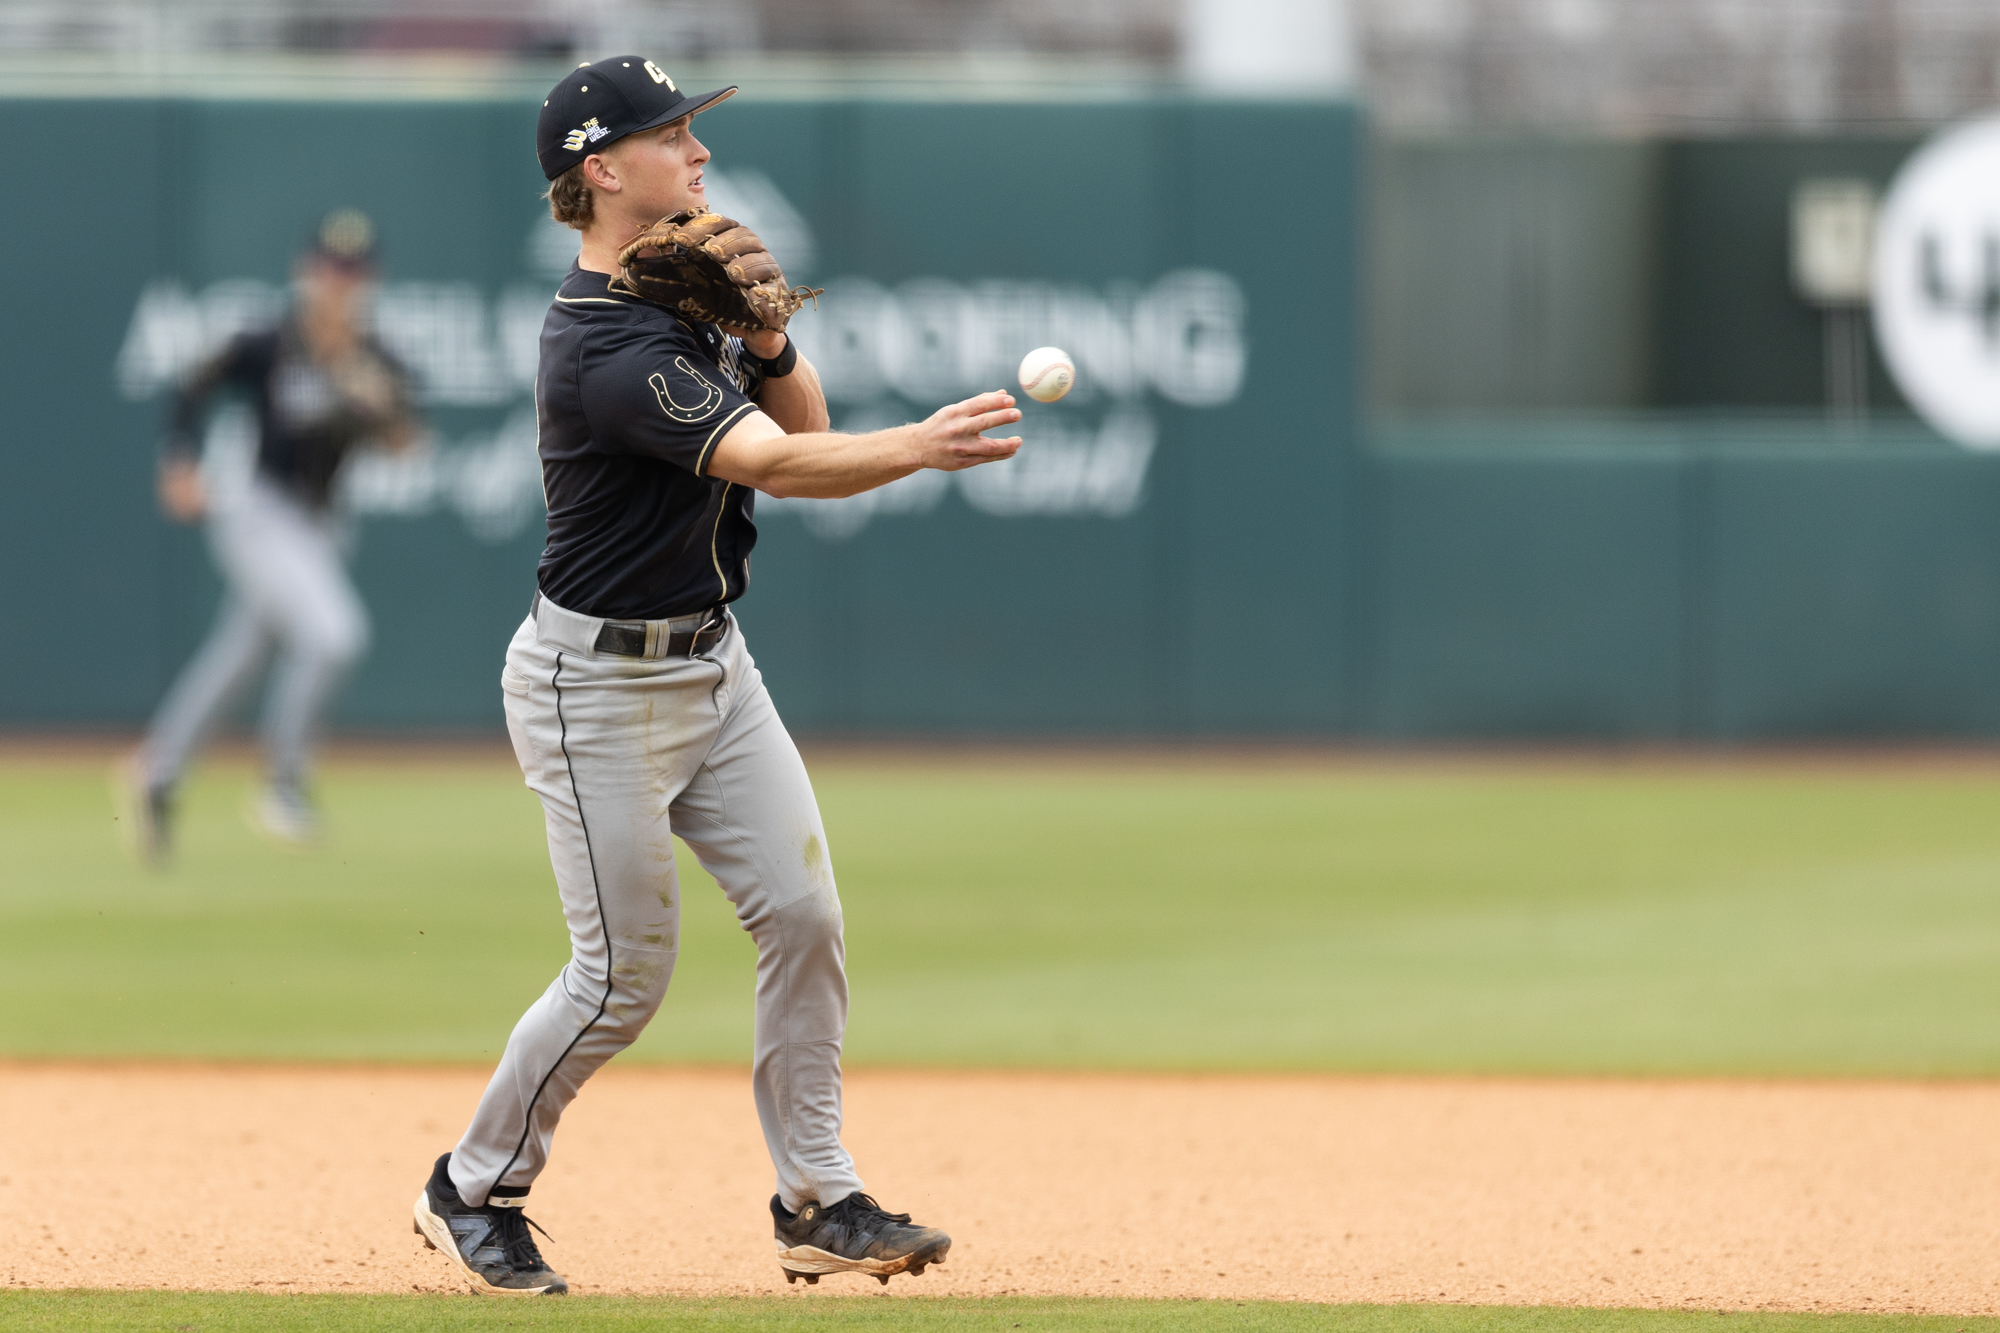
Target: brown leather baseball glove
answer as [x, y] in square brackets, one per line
[711, 268]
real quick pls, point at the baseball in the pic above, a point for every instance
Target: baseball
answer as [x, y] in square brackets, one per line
[1047, 374]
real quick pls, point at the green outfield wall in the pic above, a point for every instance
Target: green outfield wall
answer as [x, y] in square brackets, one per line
[1196, 486]
[1200, 540]
[1693, 579]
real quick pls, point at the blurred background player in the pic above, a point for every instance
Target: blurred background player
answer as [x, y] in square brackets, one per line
[320, 385]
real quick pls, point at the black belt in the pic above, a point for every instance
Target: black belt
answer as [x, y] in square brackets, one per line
[627, 638]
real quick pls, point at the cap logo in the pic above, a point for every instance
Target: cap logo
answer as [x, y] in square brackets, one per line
[347, 233]
[659, 77]
[590, 133]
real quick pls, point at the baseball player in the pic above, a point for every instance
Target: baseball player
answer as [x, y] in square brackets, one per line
[637, 713]
[320, 385]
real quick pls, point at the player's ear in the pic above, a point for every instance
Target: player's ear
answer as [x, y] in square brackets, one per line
[601, 174]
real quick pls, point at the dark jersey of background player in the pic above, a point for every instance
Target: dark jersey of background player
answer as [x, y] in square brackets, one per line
[632, 399]
[305, 425]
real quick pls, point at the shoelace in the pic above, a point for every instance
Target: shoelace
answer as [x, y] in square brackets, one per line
[844, 1212]
[515, 1242]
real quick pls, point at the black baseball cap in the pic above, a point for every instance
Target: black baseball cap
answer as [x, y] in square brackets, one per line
[601, 102]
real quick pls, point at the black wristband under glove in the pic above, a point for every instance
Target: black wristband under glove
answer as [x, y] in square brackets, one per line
[779, 366]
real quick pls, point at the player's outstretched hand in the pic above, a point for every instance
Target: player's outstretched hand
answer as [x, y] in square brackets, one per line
[954, 437]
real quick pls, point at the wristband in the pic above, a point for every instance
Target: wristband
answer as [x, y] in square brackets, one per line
[779, 366]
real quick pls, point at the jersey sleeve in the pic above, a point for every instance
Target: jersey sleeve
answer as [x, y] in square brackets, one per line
[239, 363]
[658, 394]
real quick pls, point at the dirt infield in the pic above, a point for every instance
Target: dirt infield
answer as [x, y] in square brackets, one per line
[1715, 1195]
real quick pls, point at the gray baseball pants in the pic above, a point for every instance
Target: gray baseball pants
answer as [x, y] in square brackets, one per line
[287, 592]
[626, 753]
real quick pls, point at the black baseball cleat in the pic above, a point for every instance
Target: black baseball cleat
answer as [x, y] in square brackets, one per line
[853, 1236]
[490, 1243]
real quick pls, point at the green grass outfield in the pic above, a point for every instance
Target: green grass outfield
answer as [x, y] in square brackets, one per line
[187, 1312]
[1179, 914]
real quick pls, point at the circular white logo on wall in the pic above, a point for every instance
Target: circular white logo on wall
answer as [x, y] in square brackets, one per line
[1937, 282]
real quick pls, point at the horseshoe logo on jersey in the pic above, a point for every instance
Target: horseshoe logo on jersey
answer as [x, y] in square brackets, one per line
[685, 412]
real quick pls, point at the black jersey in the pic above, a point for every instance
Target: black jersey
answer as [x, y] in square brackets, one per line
[631, 399]
[308, 419]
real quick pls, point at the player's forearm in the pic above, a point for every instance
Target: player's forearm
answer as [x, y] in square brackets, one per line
[823, 465]
[796, 402]
[182, 442]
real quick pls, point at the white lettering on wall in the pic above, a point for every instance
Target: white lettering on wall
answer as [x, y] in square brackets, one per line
[929, 341]
[932, 341]
[491, 481]
[462, 349]
[1069, 471]
[889, 354]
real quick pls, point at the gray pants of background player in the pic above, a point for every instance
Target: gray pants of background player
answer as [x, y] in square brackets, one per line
[625, 753]
[286, 591]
